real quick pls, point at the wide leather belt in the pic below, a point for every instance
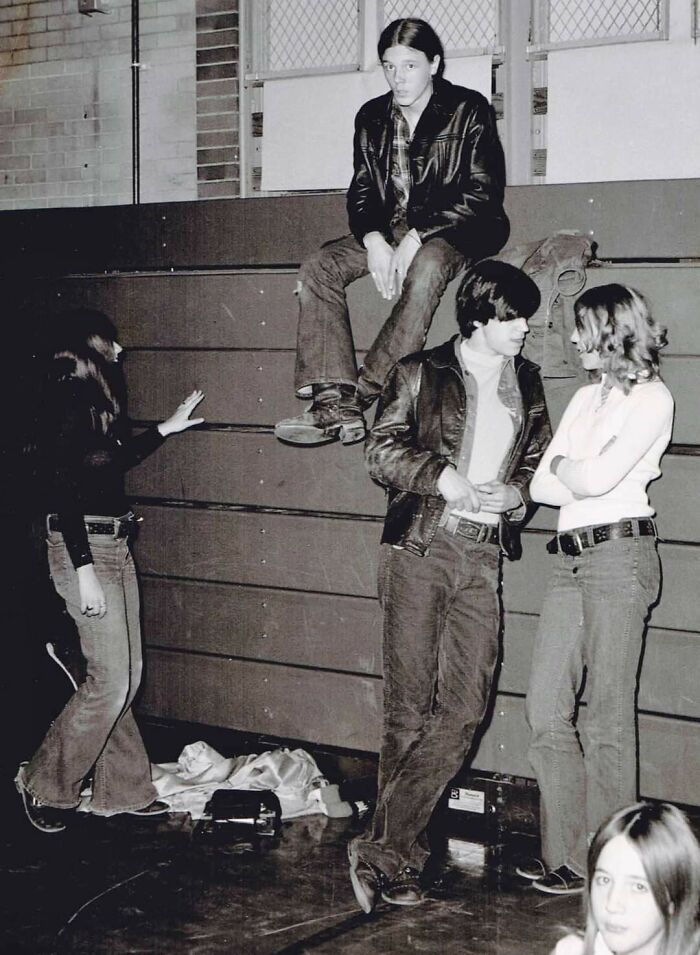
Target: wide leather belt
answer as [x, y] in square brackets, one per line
[573, 542]
[472, 530]
[115, 526]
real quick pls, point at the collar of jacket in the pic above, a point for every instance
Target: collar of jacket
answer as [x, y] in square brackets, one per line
[445, 356]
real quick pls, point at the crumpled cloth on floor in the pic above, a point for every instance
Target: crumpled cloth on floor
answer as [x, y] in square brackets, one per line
[294, 777]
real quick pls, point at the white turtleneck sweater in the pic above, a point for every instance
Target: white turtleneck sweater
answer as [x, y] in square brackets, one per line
[612, 446]
[493, 426]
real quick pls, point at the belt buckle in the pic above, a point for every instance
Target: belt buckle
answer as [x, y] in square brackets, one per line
[570, 544]
[482, 534]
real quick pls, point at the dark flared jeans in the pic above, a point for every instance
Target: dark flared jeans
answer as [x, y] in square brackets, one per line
[325, 347]
[441, 631]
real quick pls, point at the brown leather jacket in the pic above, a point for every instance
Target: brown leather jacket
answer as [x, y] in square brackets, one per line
[418, 432]
[457, 172]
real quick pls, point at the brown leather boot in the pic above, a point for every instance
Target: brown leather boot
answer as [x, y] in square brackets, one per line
[334, 414]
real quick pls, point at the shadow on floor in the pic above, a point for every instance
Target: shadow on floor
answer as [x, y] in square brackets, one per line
[129, 885]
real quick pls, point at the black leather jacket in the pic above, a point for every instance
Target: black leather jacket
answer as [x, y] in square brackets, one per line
[457, 172]
[418, 432]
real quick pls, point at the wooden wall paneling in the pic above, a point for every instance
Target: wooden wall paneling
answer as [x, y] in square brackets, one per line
[266, 550]
[242, 309]
[681, 376]
[669, 751]
[256, 387]
[668, 682]
[336, 709]
[631, 220]
[673, 292]
[344, 710]
[678, 609]
[258, 309]
[254, 469]
[340, 556]
[344, 633]
[241, 387]
[321, 631]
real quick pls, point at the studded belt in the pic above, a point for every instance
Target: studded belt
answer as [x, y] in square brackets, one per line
[573, 542]
[116, 526]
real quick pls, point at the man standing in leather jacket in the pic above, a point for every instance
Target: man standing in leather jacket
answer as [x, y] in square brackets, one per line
[426, 196]
[459, 433]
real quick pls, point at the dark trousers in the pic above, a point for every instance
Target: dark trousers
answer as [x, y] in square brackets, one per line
[325, 347]
[442, 617]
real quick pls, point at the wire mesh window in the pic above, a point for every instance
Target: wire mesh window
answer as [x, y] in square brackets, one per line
[305, 36]
[471, 26]
[570, 23]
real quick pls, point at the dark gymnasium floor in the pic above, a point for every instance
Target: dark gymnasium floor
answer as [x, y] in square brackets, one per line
[130, 885]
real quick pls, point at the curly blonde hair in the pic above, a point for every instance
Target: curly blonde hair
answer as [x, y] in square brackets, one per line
[616, 321]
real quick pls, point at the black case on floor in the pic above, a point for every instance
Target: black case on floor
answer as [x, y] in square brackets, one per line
[245, 810]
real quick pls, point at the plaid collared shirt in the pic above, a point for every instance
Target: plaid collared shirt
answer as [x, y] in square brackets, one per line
[400, 168]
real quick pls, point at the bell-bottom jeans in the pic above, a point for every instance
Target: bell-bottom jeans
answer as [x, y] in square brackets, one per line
[442, 616]
[96, 729]
[325, 347]
[593, 619]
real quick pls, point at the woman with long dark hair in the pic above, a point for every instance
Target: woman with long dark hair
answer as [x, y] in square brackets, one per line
[86, 447]
[604, 579]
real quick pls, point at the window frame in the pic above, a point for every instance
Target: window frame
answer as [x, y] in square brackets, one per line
[541, 45]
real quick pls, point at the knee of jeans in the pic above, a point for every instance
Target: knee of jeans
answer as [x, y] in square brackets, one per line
[112, 693]
[546, 721]
[429, 268]
[316, 267]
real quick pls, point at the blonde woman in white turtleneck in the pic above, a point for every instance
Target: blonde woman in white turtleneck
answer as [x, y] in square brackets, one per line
[604, 579]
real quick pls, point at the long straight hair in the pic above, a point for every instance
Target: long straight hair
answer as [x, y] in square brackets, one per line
[670, 855]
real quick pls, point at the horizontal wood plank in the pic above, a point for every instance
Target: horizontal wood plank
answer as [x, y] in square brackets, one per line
[256, 470]
[289, 702]
[344, 633]
[266, 550]
[340, 556]
[668, 680]
[258, 309]
[284, 626]
[645, 219]
[669, 751]
[238, 467]
[242, 309]
[345, 710]
[256, 387]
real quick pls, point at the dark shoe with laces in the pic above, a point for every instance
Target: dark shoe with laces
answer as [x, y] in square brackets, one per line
[155, 808]
[404, 888]
[532, 869]
[366, 881]
[334, 414]
[561, 881]
[47, 819]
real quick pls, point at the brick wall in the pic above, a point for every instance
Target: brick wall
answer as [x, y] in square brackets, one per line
[65, 103]
[218, 169]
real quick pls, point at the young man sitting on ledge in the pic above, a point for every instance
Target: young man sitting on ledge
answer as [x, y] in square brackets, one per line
[426, 196]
